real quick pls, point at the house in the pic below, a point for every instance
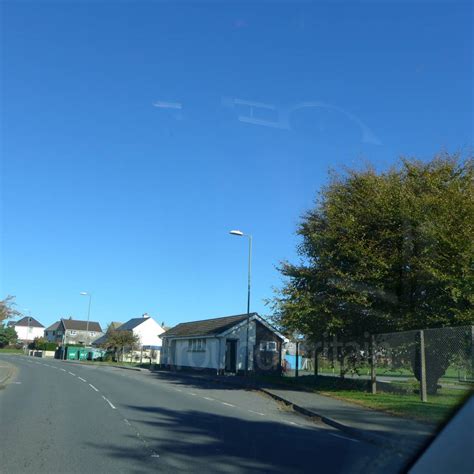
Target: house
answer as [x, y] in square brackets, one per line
[103, 339]
[148, 332]
[27, 329]
[50, 332]
[73, 331]
[220, 345]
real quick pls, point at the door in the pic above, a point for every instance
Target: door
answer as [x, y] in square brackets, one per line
[231, 355]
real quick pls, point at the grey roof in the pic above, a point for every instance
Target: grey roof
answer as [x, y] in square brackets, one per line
[53, 326]
[206, 327]
[77, 325]
[131, 324]
[33, 323]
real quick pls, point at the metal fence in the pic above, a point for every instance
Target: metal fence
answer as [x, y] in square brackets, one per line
[419, 362]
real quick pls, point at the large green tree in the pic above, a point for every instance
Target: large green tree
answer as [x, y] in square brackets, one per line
[7, 336]
[384, 251]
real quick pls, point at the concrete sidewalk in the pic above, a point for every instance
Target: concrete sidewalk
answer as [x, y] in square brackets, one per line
[401, 434]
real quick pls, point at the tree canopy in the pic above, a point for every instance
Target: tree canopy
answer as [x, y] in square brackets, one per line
[7, 310]
[384, 251]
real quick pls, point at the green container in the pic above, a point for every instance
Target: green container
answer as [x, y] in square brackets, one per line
[72, 353]
[83, 354]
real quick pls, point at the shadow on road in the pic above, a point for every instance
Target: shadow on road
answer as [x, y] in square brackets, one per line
[189, 440]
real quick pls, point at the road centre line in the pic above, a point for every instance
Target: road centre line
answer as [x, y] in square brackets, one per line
[72, 374]
[256, 412]
[63, 370]
[193, 394]
[208, 398]
[109, 402]
[228, 404]
[344, 437]
[80, 378]
[92, 386]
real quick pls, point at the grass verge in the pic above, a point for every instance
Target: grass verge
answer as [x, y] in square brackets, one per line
[438, 408]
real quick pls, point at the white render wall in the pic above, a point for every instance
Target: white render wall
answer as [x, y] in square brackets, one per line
[148, 332]
[214, 355]
[26, 333]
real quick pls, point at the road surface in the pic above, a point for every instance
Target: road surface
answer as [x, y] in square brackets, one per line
[57, 416]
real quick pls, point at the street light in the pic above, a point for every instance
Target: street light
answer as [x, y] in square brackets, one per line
[239, 233]
[85, 293]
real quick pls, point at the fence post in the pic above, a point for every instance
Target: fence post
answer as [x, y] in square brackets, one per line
[316, 361]
[422, 367]
[297, 361]
[373, 376]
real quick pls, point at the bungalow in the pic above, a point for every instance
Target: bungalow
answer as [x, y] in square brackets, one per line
[220, 345]
[27, 329]
[50, 332]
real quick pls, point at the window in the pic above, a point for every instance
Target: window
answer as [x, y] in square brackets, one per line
[72, 333]
[269, 346]
[92, 334]
[197, 345]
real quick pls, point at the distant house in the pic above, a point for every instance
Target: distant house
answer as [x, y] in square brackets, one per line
[50, 332]
[27, 329]
[220, 345]
[103, 339]
[73, 331]
[148, 332]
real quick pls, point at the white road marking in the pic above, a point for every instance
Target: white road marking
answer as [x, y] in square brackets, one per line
[291, 422]
[93, 388]
[52, 366]
[109, 402]
[63, 370]
[80, 378]
[209, 398]
[227, 404]
[344, 437]
[193, 394]
[257, 413]
[127, 422]
[72, 374]
[178, 389]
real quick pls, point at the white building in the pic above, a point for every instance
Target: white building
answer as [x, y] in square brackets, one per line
[220, 345]
[27, 329]
[148, 332]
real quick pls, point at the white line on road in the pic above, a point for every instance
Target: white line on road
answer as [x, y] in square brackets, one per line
[209, 398]
[93, 388]
[72, 374]
[257, 413]
[291, 422]
[127, 422]
[80, 378]
[344, 437]
[52, 366]
[109, 402]
[193, 394]
[227, 404]
[63, 370]
[178, 389]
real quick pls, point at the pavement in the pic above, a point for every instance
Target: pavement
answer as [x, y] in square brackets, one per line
[402, 434]
[63, 417]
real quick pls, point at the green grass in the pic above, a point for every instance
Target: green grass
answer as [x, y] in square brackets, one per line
[438, 407]
[11, 351]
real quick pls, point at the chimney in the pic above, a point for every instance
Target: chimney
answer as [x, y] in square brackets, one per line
[145, 315]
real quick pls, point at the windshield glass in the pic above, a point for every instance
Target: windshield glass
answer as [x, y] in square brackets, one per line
[264, 209]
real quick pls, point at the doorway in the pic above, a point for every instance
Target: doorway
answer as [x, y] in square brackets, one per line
[231, 355]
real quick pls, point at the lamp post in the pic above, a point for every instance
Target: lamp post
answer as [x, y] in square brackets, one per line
[85, 293]
[239, 233]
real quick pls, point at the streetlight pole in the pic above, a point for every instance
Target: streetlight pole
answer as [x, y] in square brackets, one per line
[241, 234]
[85, 293]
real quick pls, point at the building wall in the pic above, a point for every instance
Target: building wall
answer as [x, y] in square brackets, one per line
[181, 356]
[266, 361]
[26, 333]
[240, 333]
[79, 337]
[149, 332]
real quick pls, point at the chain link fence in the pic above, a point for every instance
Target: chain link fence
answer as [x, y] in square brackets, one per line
[410, 362]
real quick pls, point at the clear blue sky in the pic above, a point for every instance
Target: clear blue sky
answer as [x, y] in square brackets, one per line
[128, 150]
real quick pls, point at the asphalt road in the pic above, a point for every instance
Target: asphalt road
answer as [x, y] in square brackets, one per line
[57, 416]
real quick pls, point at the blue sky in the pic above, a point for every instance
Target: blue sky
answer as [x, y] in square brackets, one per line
[129, 148]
